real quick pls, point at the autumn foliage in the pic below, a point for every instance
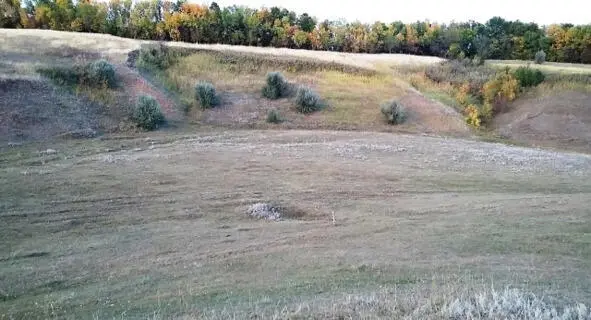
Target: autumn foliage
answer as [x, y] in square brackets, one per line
[279, 27]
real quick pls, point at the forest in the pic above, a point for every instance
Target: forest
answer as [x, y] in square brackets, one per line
[279, 27]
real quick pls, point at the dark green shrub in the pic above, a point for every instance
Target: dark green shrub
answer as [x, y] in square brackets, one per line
[147, 113]
[206, 95]
[276, 86]
[307, 101]
[156, 56]
[540, 57]
[529, 77]
[100, 73]
[273, 116]
[394, 112]
[62, 76]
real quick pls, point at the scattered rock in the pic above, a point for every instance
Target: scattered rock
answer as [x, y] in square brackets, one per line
[48, 151]
[264, 211]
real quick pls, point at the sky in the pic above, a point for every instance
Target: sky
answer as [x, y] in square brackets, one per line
[543, 12]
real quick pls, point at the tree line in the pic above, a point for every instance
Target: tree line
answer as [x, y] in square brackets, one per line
[278, 27]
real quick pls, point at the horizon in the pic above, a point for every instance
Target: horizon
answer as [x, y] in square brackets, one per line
[376, 10]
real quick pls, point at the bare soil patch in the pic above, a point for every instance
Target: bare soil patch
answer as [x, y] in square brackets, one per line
[33, 109]
[557, 120]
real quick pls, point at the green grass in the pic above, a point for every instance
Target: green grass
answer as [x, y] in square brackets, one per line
[547, 67]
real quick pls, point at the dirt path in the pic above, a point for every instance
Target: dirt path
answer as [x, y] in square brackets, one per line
[136, 85]
[432, 116]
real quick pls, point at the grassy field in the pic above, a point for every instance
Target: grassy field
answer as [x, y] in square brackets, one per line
[548, 67]
[156, 226]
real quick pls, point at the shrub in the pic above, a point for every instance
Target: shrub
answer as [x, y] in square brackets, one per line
[273, 116]
[206, 95]
[540, 57]
[276, 86]
[472, 116]
[61, 75]
[100, 73]
[394, 112]
[307, 101]
[529, 77]
[147, 113]
[459, 73]
[498, 92]
[156, 56]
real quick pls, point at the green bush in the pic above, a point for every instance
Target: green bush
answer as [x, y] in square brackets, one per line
[100, 73]
[206, 95]
[529, 77]
[307, 101]
[147, 113]
[540, 57]
[394, 112]
[273, 116]
[276, 86]
[62, 76]
[156, 56]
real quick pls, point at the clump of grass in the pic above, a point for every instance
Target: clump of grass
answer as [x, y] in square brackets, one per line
[206, 95]
[273, 116]
[510, 304]
[307, 101]
[276, 86]
[394, 112]
[529, 77]
[147, 113]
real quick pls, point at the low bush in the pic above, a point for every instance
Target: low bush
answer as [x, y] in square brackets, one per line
[147, 113]
[206, 95]
[276, 86]
[394, 112]
[273, 116]
[307, 101]
[529, 77]
[63, 76]
[497, 93]
[100, 73]
[459, 73]
[156, 56]
[540, 57]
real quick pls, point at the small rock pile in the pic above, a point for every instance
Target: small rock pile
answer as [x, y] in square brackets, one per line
[264, 211]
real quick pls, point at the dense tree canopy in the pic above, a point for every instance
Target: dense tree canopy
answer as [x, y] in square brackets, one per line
[279, 27]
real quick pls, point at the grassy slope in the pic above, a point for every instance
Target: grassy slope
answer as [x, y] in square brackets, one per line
[157, 226]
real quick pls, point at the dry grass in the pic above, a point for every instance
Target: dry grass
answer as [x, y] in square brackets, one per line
[548, 67]
[351, 97]
[136, 228]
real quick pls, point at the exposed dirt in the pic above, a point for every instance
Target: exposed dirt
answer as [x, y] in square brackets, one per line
[28, 109]
[557, 120]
